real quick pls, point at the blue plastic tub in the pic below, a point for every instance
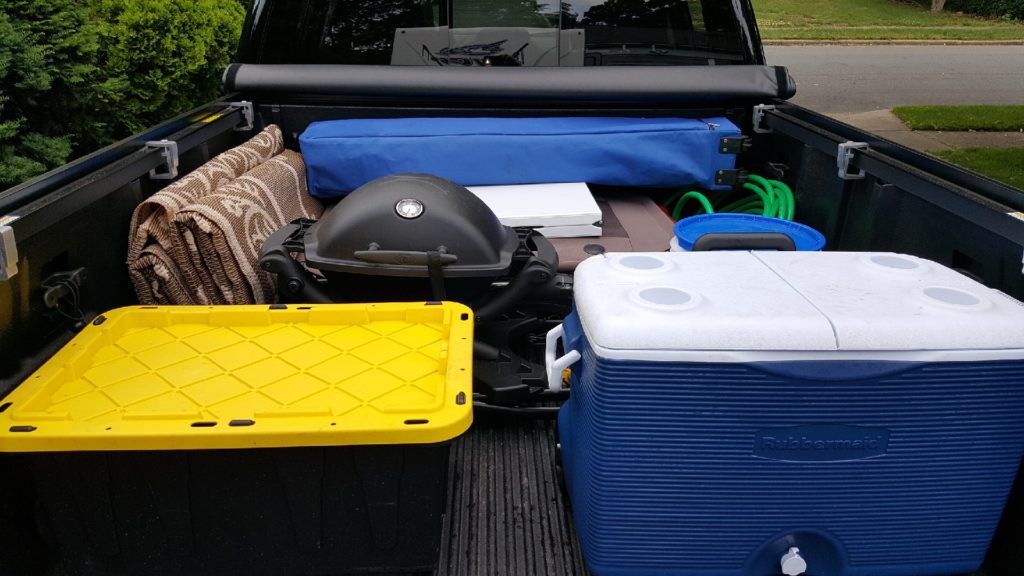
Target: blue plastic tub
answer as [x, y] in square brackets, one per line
[689, 230]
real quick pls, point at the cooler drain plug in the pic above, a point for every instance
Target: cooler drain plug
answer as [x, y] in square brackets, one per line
[793, 564]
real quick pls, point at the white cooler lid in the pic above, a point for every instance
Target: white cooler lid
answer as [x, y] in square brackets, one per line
[789, 302]
[884, 301]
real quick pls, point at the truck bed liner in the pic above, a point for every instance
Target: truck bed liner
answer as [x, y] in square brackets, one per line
[507, 514]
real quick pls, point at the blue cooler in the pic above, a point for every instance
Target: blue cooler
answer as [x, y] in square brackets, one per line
[766, 413]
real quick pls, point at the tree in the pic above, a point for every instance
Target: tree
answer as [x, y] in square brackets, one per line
[938, 5]
[653, 14]
[47, 53]
[161, 58]
[78, 74]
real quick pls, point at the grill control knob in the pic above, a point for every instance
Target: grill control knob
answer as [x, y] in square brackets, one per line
[793, 564]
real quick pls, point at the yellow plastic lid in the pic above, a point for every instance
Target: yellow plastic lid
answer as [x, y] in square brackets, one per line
[203, 377]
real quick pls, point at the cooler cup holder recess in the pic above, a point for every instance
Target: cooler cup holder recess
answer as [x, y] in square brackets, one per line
[953, 298]
[667, 298]
[641, 264]
[895, 264]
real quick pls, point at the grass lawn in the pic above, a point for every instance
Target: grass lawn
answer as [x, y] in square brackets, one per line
[1003, 164]
[874, 20]
[963, 118]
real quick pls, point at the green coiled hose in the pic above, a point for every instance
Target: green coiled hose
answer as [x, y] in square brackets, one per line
[770, 198]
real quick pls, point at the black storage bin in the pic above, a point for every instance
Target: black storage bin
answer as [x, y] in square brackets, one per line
[22, 552]
[337, 510]
[246, 440]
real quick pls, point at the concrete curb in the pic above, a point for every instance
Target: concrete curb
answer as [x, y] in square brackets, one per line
[887, 125]
[894, 42]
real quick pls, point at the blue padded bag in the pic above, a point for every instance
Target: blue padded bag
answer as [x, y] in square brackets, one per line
[342, 155]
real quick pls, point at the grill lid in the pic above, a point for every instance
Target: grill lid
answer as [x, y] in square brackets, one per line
[403, 224]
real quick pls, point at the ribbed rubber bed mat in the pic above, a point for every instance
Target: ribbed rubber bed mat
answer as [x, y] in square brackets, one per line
[507, 514]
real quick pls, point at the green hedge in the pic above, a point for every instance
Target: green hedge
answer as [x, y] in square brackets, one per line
[995, 8]
[78, 74]
[162, 57]
[47, 65]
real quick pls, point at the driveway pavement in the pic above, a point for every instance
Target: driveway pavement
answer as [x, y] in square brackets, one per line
[860, 84]
[851, 79]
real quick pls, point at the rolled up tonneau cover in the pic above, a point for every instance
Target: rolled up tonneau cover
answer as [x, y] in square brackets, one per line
[609, 85]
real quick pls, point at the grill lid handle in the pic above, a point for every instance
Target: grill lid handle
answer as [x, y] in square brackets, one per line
[375, 255]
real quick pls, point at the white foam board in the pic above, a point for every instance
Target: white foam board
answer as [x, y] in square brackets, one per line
[564, 210]
[584, 231]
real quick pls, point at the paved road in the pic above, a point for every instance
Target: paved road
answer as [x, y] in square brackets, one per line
[862, 78]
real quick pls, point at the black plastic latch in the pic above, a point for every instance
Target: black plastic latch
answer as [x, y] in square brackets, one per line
[735, 145]
[730, 177]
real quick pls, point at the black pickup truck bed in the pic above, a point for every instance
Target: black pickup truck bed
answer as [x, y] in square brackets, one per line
[507, 512]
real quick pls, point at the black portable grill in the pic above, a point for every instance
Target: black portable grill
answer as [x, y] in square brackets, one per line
[414, 237]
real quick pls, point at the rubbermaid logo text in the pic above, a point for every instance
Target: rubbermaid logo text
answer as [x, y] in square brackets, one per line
[821, 443]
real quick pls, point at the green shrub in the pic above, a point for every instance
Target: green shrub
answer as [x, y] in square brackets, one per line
[996, 8]
[78, 74]
[47, 54]
[161, 57]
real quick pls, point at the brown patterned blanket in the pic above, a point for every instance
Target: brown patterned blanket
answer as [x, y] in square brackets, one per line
[197, 241]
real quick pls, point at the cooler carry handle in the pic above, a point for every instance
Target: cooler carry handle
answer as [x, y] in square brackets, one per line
[554, 366]
[744, 241]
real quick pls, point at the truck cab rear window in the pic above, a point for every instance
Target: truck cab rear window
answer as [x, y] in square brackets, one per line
[493, 33]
